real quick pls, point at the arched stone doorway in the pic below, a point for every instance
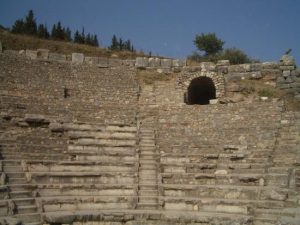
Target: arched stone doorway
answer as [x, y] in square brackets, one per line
[200, 91]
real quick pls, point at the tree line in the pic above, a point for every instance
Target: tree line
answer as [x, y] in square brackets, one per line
[29, 26]
[58, 32]
[121, 45]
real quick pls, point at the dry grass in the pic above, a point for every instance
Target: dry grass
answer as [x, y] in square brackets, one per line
[253, 87]
[149, 76]
[22, 42]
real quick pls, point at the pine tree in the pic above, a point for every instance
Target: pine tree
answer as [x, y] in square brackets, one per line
[95, 41]
[46, 32]
[41, 31]
[60, 33]
[82, 36]
[18, 27]
[121, 44]
[114, 43]
[54, 32]
[88, 39]
[127, 45]
[68, 35]
[132, 49]
[76, 37]
[30, 24]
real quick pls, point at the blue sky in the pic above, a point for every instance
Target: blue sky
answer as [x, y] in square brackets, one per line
[264, 29]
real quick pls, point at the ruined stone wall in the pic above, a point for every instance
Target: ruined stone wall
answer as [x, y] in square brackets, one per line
[227, 79]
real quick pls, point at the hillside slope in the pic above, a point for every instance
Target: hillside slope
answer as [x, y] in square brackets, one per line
[19, 42]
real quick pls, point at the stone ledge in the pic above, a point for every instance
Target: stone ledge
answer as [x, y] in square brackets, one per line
[131, 215]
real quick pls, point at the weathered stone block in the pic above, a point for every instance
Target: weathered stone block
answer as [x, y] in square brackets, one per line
[286, 73]
[232, 209]
[91, 60]
[270, 65]
[223, 63]
[208, 66]
[57, 57]
[56, 127]
[11, 52]
[154, 62]
[287, 67]
[43, 54]
[178, 63]
[241, 68]
[77, 58]
[166, 63]
[31, 54]
[274, 195]
[287, 60]
[176, 206]
[213, 101]
[231, 77]
[141, 62]
[221, 172]
[1, 47]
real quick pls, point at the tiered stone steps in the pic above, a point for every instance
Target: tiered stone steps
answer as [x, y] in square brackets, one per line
[223, 162]
[21, 203]
[99, 174]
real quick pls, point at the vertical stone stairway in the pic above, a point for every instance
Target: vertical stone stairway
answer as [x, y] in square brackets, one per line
[148, 158]
[21, 202]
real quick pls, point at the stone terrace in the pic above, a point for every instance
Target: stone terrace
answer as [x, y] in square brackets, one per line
[83, 144]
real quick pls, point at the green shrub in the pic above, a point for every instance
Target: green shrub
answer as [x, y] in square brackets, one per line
[235, 56]
[266, 93]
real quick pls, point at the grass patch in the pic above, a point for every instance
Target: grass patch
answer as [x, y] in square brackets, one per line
[149, 76]
[253, 87]
[266, 93]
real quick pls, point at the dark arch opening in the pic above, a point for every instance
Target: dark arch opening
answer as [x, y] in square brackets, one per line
[200, 91]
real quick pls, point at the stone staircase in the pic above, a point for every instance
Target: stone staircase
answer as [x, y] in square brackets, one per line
[148, 191]
[148, 157]
[20, 199]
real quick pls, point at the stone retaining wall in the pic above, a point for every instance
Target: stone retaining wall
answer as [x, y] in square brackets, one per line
[282, 74]
[79, 58]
